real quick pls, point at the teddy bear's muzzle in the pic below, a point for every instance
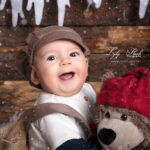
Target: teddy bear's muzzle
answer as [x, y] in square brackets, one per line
[106, 136]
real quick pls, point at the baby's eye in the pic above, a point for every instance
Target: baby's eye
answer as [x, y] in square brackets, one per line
[74, 54]
[51, 58]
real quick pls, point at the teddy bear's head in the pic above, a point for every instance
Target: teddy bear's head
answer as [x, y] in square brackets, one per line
[123, 111]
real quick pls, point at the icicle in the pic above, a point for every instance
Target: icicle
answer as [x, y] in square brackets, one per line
[143, 7]
[2, 4]
[89, 4]
[16, 6]
[96, 2]
[61, 10]
[38, 9]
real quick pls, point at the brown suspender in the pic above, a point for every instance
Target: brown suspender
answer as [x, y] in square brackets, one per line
[44, 109]
[14, 135]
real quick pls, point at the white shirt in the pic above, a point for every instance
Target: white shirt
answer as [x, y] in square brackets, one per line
[51, 131]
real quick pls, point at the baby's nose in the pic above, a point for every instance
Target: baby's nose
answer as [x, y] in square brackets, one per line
[65, 61]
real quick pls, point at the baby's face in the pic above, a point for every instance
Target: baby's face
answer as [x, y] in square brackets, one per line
[60, 67]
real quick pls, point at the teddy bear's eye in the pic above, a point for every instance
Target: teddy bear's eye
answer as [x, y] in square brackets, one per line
[107, 115]
[124, 117]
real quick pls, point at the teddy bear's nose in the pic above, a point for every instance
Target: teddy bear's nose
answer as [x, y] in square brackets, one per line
[106, 136]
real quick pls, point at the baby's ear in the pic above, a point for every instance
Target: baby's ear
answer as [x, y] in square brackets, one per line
[87, 60]
[34, 77]
[87, 63]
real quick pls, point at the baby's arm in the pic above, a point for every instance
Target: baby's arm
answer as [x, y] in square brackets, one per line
[57, 129]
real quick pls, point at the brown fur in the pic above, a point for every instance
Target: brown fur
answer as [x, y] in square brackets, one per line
[142, 122]
[13, 136]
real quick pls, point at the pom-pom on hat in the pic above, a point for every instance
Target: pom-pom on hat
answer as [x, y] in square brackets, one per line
[131, 91]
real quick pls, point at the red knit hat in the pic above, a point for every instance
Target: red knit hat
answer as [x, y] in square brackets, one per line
[131, 91]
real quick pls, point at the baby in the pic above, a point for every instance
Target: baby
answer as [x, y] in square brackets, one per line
[56, 61]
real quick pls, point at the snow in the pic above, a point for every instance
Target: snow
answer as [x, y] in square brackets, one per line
[16, 6]
[2, 4]
[89, 4]
[61, 10]
[17, 9]
[142, 8]
[38, 9]
[96, 2]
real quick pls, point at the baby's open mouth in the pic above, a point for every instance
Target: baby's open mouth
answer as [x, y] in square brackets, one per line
[67, 76]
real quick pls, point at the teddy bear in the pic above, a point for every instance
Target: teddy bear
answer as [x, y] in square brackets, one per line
[123, 111]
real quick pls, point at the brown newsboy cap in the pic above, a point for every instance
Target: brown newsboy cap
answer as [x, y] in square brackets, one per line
[42, 36]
